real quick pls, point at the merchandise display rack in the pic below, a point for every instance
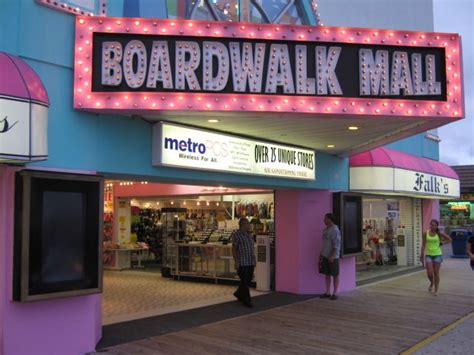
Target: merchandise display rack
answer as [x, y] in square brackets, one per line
[173, 223]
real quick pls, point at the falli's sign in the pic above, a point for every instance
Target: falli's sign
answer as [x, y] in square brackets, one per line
[149, 64]
[389, 180]
[430, 184]
[187, 147]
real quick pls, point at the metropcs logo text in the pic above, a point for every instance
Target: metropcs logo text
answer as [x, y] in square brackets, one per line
[189, 146]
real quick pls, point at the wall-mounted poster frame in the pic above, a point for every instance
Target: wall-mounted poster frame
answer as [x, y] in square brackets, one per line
[78, 7]
[58, 235]
[347, 208]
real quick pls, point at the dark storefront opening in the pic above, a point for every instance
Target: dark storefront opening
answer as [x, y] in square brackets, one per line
[167, 247]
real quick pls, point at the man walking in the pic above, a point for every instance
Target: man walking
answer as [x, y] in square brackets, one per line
[329, 259]
[244, 259]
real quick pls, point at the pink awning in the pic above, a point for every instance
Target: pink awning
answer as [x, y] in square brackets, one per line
[20, 81]
[395, 159]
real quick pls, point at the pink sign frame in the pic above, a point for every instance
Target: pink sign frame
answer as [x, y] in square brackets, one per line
[146, 102]
[67, 7]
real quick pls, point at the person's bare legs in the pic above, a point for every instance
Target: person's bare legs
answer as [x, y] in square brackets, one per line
[336, 284]
[328, 284]
[429, 272]
[436, 270]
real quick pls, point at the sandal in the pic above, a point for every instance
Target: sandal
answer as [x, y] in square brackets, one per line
[325, 296]
[333, 297]
[430, 289]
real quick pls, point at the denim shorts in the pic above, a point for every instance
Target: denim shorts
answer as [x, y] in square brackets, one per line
[434, 259]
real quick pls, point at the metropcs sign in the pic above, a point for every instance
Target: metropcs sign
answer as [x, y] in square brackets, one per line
[199, 149]
[407, 182]
[148, 65]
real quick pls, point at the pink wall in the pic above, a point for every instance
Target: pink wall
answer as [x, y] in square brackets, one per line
[63, 326]
[299, 225]
[430, 211]
[4, 191]
[156, 189]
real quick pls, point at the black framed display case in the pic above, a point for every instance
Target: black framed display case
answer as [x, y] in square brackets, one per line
[347, 208]
[173, 224]
[58, 235]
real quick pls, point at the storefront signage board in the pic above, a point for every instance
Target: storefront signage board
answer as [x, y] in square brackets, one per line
[148, 64]
[23, 131]
[187, 147]
[400, 181]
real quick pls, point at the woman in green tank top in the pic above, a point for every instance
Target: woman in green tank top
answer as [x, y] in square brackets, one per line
[432, 255]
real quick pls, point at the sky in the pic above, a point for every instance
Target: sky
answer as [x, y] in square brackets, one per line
[457, 139]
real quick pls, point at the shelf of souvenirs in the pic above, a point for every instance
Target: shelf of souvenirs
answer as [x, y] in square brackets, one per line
[215, 236]
[209, 261]
[118, 256]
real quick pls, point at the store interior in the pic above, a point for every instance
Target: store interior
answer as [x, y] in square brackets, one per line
[457, 215]
[388, 241]
[168, 247]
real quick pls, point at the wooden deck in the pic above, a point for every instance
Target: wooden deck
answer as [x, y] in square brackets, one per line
[385, 318]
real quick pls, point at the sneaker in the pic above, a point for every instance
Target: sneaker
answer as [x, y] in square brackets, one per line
[333, 297]
[325, 296]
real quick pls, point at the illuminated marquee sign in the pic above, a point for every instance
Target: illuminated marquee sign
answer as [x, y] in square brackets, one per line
[463, 206]
[163, 63]
[199, 149]
[147, 64]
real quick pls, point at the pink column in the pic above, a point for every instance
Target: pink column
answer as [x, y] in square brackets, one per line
[61, 326]
[299, 225]
[430, 211]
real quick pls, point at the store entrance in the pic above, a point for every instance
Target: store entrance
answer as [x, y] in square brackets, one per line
[168, 247]
[389, 233]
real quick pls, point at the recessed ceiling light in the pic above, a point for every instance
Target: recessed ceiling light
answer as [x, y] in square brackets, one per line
[352, 128]
[213, 120]
[331, 146]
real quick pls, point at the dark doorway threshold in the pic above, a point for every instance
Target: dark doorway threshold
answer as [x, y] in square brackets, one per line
[389, 276]
[126, 332]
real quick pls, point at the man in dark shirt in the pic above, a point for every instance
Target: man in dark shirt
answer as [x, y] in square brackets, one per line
[244, 259]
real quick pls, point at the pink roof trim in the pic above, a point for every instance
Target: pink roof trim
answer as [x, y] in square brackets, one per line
[20, 80]
[395, 159]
